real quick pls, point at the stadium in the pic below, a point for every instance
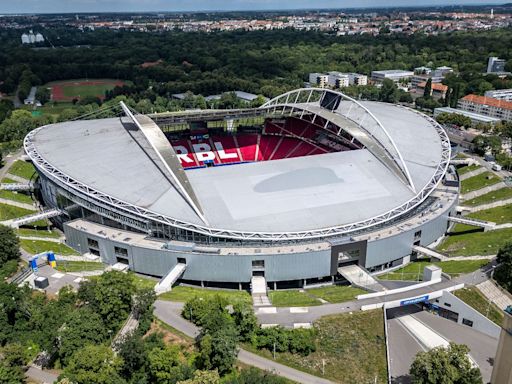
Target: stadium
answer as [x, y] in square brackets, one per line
[293, 192]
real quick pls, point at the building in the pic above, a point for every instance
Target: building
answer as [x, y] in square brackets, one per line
[295, 191]
[437, 90]
[31, 38]
[500, 94]
[475, 117]
[496, 65]
[502, 371]
[486, 106]
[319, 79]
[337, 79]
[357, 79]
[393, 74]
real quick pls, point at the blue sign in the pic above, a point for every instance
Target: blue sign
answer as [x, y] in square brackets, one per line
[414, 301]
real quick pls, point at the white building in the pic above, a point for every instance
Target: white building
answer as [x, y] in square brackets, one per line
[475, 117]
[337, 79]
[319, 79]
[31, 38]
[39, 38]
[393, 74]
[495, 65]
[357, 79]
[25, 39]
[500, 94]
[487, 106]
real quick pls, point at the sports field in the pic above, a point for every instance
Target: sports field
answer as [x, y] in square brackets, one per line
[78, 89]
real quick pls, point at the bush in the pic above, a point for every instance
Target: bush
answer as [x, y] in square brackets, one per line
[300, 341]
[200, 311]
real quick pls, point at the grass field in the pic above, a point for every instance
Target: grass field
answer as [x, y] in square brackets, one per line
[7, 180]
[8, 212]
[142, 282]
[467, 168]
[499, 215]
[22, 169]
[182, 293]
[479, 181]
[491, 197]
[39, 246]
[16, 196]
[79, 266]
[81, 88]
[474, 298]
[478, 243]
[352, 346]
[336, 293]
[38, 233]
[291, 298]
[414, 271]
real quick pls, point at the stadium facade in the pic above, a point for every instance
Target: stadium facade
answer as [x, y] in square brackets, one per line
[311, 181]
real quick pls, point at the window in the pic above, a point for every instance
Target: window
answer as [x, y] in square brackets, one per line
[258, 263]
[94, 252]
[121, 252]
[467, 322]
[417, 235]
[93, 243]
[447, 305]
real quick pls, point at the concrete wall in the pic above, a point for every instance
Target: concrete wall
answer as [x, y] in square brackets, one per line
[480, 322]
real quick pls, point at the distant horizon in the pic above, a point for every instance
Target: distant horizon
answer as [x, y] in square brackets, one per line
[214, 6]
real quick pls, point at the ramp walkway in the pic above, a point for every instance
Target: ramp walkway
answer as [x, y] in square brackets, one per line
[168, 280]
[16, 186]
[425, 335]
[360, 277]
[259, 291]
[34, 217]
[486, 225]
[430, 252]
[494, 294]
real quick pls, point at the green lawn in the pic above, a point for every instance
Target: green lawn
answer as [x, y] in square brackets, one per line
[499, 194]
[79, 266]
[182, 293]
[16, 196]
[38, 233]
[22, 169]
[336, 293]
[478, 243]
[352, 346]
[479, 181]
[143, 282]
[461, 155]
[414, 271]
[467, 169]
[8, 212]
[474, 298]
[291, 298]
[6, 180]
[39, 246]
[499, 215]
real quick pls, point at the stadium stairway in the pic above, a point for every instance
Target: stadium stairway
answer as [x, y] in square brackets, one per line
[259, 292]
[495, 294]
[166, 283]
[360, 277]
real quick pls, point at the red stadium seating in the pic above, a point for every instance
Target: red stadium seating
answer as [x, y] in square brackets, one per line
[293, 139]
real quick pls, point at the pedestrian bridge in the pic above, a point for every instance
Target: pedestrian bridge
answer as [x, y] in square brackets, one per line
[16, 186]
[49, 213]
[168, 280]
[486, 225]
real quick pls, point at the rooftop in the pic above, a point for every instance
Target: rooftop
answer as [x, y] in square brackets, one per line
[490, 101]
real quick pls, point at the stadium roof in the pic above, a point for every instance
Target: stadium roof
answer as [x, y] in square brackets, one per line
[288, 195]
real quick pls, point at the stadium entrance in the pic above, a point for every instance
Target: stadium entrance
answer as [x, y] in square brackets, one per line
[345, 253]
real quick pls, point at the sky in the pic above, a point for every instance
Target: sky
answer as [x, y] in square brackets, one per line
[64, 6]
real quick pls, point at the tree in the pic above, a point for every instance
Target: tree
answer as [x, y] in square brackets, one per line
[503, 273]
[164, 365]
[255, 376]
[245, 321]
[94, 364]
[131, 348]
[82, 327]
[482, 144]
[388, 91]
[441, 365]
[218, 350]
[9, 245]
[203, 377]
[427, 92]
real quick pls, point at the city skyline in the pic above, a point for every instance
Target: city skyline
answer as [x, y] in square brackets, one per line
[79, 6]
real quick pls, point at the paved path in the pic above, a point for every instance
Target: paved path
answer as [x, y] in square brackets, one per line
[30, 207]
[41, 238]
[169, 312]
[19, 179]
[41, 376]
[8, 160]
[481, 207]
[482, 191]
[476, 172]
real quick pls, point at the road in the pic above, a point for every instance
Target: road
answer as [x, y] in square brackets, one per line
[169, 312]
